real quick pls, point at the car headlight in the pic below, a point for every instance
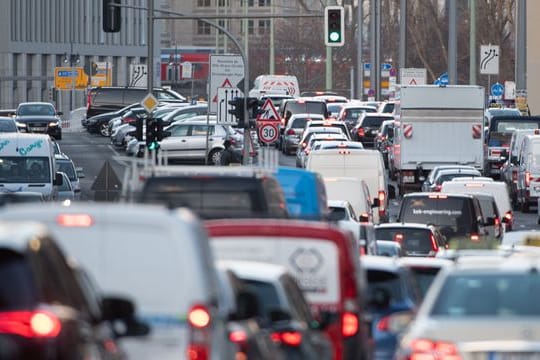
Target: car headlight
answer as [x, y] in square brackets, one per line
[53, 123]
[20, 124]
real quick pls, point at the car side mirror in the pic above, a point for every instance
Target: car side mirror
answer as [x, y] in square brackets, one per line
[121, 312]
[58, 179]
[80, 173]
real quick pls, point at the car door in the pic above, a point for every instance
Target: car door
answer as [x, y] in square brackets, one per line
[197, 140]
[176, 144]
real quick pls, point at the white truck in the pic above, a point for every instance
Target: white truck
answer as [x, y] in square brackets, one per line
[274, 85]
[27, 164]
[436, 125]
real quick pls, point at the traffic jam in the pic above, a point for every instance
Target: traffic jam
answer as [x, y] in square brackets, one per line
[375, 230]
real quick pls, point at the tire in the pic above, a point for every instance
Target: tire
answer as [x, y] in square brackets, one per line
[214, 158]
[104, 130]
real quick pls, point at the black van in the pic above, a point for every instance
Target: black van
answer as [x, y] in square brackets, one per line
[218, 193]
[457, 216]
[109, 98]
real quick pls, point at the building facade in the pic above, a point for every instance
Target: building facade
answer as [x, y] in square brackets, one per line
[37, 36]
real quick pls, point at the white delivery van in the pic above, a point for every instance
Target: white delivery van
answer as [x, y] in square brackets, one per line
[498, 189]
[275, 84]
[158, 258]
[361, 164]
[27, 164]
[353, 190]
[528, 176]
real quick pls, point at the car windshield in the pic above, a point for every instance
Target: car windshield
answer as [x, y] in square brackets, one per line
[266, 294]
[373, 121]
[300, 122]
[387, 281]
[24, 169]
[511, 126]
[8, 126]
[67, 167]
[493, 295]
[36, 109]
[424, 276]
[16, 282]
[411, 239]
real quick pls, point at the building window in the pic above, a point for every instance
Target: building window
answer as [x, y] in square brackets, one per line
[263, 3]
[203, 28]
[203, 3]
[249, 2]
[264, 27]
[223, 3]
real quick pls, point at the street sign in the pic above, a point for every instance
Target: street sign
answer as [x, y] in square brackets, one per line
[138, 75]
[413, 76]
[442, 80]
[224, 95]
[187, 70]
[268, 131]
[149, 103]
[497, 90]
[386, 66]
[489, 59]
[268, 112]
[103, 76]
[225, 71]
[68, 78]
[509, 90]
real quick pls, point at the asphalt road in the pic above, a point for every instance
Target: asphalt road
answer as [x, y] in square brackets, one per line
[92, 152]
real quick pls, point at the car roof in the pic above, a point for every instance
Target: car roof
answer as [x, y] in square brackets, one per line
[404, 225]
[427, 262]
[480, 179]
[338, 203]
[346, 144]
[386, 263]
[16, 235]
[437, 195]
[254, 270]
[36, 103]
[187, 170]
[306, 115]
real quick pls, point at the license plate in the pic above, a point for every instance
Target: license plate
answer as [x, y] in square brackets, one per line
[38, 128]
[408, 179]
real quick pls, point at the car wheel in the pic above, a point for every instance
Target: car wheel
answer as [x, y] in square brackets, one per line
[214, 158]
[104, 130]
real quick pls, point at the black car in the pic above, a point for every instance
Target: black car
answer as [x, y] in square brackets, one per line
[368, 127]
[45, 311]
[39, 117]
[99, 124]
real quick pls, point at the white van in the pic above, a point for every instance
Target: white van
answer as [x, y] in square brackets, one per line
[497, 189]
[361, 164]
[353, 190]
[27, 164]
[275, 84]
[528, 177]
[159, 258]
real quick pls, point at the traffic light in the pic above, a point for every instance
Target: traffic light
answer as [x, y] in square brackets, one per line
[111, 15]
[334, 26]
[238, 110]
[139, 129]
[152, 134]
[254, 105]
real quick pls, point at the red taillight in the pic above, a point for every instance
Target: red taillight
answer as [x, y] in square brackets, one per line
[199, 337]
[527, 178]
[434, 245]
[361, 132]
[29, 324]
[382, 202]
[398, 238]
[238, 336]
[509, 216]
[199, 317]
[88, 100]
[128, 120]
[349, 324]
[423, 349]
[290, 132]
[290, 338]
[74, 220]
[383, 324]
[475, 237]
[437, 188]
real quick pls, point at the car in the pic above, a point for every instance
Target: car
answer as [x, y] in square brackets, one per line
[424, 270]
[159, 258]
[313, 141]
[384, 140]
[449, 174]
[367, 128]
[416, 239]
[111, 98]
[188, 139]
[389, 248]
[457, 216]
[494, 298]
[429, 182]
[183, 113]
[520, 237]
[74, 174]
[44, 312]
[215, 192]
[8, 124]
[393, 296]
[492, 112]
[329, 123]
[342, 213]
[368, 241]
[241, 308]
[350, 113]
[100, 123]
[291, 134]
[324, 261]
[130, 117]
[307, 134]
[39, 117]
[283, 309]
[65, 191]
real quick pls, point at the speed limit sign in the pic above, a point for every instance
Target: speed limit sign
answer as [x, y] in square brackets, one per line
[268, 132]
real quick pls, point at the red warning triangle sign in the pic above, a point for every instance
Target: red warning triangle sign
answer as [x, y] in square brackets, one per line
[268, 112]
[412, 82]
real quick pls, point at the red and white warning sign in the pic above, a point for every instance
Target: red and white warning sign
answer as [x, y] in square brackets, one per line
[413, 76]
[268, 131]
[477, 131]
[407, 130]
[225, 71]
[268, 112]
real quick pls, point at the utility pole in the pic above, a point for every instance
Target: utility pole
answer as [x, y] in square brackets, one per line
[375, 36]
[272, 69]
[521, 41]
[452, 42]
[359, 50]
[150, 44]
[472, 42]
[402, 36]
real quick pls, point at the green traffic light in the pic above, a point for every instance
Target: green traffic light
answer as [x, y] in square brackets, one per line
[334, 36]
[153, 145]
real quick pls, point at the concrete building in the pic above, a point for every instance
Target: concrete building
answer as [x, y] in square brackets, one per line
[533, 57]
[36, 36]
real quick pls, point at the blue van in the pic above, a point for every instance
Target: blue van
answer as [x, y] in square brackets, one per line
[305, 193]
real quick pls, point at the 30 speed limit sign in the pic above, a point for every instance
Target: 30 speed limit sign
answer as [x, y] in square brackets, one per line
[268, 132]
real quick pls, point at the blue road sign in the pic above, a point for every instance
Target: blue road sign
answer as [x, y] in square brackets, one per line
[443, 78]
[497, 89]
[367, 66]
[386, 66]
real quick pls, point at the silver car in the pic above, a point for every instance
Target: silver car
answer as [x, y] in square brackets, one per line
[188, 140]
[74, 174]
[292, 132]
[479, 308]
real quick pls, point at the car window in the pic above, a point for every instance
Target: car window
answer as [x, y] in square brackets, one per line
[36, 109]
[299, 307]
[266, 294]
[337, 213]
[424, 276]
[299, 123]
[17, 286]
[502, 295]
[488, 207]
[8, 126]
[200, 130]
[411, 239]
[179, 130]
[385, 280]
[68, 168]
[373, 121]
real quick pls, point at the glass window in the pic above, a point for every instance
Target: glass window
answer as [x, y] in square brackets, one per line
[337, 213]
[25, 170]
[36, 109]
[424, 276]
[411, 239]
[68, 168]
[17, 286]
[200, 130]
[384, 280]
[267, 295]
[179, 130]
[203, 3]
[8, 125]
[203, 28]
[264, 27]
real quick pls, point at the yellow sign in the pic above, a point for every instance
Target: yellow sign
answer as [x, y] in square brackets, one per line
[103, 76]
[68, 78]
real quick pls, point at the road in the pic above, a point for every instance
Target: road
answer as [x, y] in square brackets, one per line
[91, 152]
